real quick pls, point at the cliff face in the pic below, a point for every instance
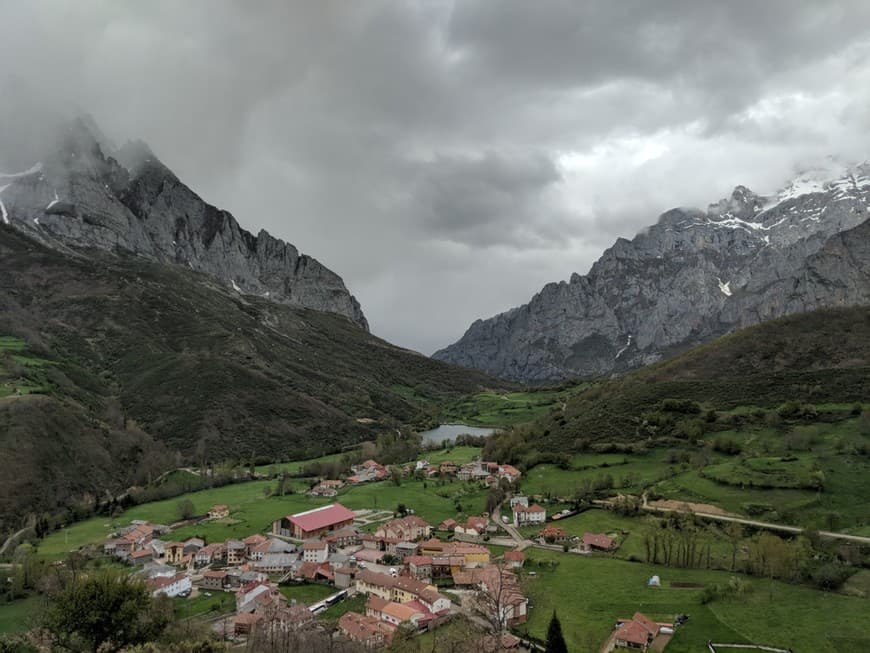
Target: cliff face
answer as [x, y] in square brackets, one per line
[83, 195]
[691, 277]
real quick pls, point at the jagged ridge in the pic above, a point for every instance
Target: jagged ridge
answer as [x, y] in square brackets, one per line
[84, 194]
[691, 277]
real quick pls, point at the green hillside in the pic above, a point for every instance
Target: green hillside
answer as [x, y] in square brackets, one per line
[772, 422]
[112, 366]
[814, 358]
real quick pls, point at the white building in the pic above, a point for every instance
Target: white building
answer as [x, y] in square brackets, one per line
[519, 500]
[531, 515]
[315, 552]
[170, 586]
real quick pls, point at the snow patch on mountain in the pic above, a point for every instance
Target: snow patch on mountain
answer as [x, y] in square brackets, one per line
[3, 212]
[622, 351]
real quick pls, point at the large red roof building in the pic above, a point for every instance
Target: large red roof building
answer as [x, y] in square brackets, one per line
[313, 523]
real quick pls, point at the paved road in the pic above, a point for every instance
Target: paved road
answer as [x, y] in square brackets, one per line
[760, 524]
[518, 540]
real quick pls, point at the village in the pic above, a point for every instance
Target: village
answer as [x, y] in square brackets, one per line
[413, 575]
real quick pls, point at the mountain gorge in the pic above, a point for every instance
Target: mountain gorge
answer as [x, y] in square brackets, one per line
[693, 276]
[141, 328]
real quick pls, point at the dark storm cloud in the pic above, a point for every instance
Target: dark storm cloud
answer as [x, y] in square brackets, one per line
[486, 199]
[449, 158]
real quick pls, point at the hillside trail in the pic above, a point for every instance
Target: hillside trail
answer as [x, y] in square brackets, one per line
[726, 517]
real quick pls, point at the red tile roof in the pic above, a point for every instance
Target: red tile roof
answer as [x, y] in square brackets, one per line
[314, 546]
[362, 628]
[214, 574]
[514, 556]
[598, 540]
[633, 632]
[312, 520]
[376, 603]
[647, 623]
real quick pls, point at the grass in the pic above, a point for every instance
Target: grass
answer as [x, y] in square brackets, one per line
[11, 343]
[505, 408]
[15, 617]
[626, 529]
[332, 614]
[764, 471]
[858, 584]
[629, 472]
[20, 371]
[296, 466]
[456, 455]
[431, 501]
[590, 593]
[771, 479]
[252, 512]
[202, 605]
[307, 593]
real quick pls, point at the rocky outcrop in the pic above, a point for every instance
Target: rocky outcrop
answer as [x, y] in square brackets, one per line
[85, 194]
[693, 276]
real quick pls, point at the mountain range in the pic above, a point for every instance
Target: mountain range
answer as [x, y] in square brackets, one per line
[142, 328]
[691, 277]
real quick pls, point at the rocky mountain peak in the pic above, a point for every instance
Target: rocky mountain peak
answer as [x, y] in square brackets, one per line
[692, 276]
[85, 193]
[743, 204]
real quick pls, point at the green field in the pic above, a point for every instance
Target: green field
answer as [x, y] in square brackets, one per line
[764, 472]
[204, 606]
[458, 455]
[307, 593]
[775, 476]
[629, 472]
[15, 617]
[589, 594]
[20, 371]
[505, 409]
[295, 467]
[433, 503]
[252, 512]
[332, 614]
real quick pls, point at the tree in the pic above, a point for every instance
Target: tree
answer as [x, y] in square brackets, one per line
[104, 611]
[555, 639]
[185, 509]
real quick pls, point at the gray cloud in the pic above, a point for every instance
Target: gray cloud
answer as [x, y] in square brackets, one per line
[485, 199]
[449, 158]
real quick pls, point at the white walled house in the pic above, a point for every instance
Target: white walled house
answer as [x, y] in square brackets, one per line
[531, 515]
[170, 586]
[315, 552]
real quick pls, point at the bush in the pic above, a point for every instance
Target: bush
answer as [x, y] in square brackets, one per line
[831, 575]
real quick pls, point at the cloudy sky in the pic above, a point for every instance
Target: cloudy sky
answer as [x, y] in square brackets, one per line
[450, 158]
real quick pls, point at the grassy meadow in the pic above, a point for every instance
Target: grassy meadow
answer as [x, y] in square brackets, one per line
[589, 594]
[251, 511]
[21, 372]
[16, 617]
[505, 408]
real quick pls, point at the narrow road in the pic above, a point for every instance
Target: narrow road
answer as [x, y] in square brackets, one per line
[760, 524]
[519, 541]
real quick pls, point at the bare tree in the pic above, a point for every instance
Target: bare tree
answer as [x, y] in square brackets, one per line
[498, 595]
